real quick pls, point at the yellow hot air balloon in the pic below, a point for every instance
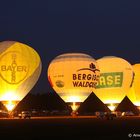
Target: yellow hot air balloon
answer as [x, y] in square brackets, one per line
[134, 93]
[116, 76]
[73, 76]
[20, 68]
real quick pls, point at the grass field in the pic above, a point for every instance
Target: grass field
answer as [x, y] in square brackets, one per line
[66, 127]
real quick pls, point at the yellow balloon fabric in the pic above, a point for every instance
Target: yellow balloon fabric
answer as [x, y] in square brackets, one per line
[20, 68]
[134, 93]
[115, 79]
[73, 76]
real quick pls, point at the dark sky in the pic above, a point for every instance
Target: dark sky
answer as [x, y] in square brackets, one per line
[53, 27]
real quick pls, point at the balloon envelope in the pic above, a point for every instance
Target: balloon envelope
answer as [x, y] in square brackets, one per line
[73, 76]
[20, 68]
[115, 80]
[134, 93]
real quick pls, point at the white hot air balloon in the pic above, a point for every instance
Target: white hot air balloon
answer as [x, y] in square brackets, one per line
[116, 75]
[20, 68]
[73, 76]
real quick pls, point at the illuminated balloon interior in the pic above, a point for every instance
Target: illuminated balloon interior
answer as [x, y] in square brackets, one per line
[20, 67]
[116, 76]
[134, 93]
[73, 76]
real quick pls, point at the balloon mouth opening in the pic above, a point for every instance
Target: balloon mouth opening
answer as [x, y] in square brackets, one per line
[10, 104]
[112, 106]
[74, 106]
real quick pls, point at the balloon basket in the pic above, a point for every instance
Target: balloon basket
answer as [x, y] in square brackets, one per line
[74, 113]
[138, 107]
[10, 114]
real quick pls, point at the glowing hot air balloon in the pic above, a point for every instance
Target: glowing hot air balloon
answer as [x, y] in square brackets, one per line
[73, 76]
[116, 76]
[134, 93]
[20, 68]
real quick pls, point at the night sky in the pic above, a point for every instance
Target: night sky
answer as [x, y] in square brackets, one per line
[53, 27]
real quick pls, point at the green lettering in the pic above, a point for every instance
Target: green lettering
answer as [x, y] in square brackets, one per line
[109, 80]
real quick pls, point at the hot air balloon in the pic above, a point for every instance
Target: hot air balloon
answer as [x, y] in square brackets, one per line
[116, 76]
[73, 76]
[20, 68]
[134, 93]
